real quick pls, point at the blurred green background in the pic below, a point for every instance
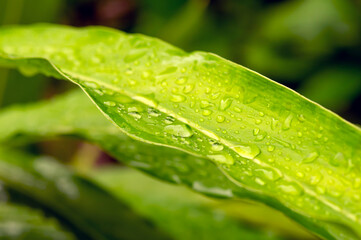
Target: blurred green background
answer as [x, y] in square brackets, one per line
[311, 46]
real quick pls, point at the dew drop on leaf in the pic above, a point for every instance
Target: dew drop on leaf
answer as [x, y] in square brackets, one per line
[179, 130]
[287, 123]
[259, 181]
[181, 80]
[153, 112]
[247, 151]
[134, 112]
[206, 112]
[315, 178]
[268, 173]
[216, 147]
[188, 88]
[110, 103]
[169, 120]
[237, 109]
[291, 189]
[274, 123]
[225, 103]
[222, 159]
[311, 157]
[204, 104]
[177, 98]
[337, 160]
[220, 118]
[271, 148]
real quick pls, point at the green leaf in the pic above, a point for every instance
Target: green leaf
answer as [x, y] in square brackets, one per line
[277, 146]
[180, 212]
[63, 116]
[92, 212]
[19, 222]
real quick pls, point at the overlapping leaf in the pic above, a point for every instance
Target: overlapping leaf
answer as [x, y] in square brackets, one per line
[19, 222]
[182, 213]
[274, 144]
[92, 212]
[63, 116]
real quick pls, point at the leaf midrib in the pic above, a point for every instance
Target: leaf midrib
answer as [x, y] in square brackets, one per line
[205, 132]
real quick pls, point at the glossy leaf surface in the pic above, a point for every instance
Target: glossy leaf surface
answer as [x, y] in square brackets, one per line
[268, 140]
[63, 116]
[19, 222]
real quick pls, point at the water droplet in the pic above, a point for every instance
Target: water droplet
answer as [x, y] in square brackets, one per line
[206, 112]
[204, 104]
[274, 123]
[169, 120]
[177, 98]
[258, 121]
[315, 179]
[259, 181]
[268, 173]
[338, 159]
[311, 157]
[220, 118]
[261, 114]
[179, 130]
[301, 118]
[256, 131]
[247, 151]
[287, 123]
[181, 80]
[320, 189]
[110, 103]
[215, 95]
[291, 189]
[134, 112]
[222, 159]
[225, 103]
[299, 134]
[188, 88]
[260, 137]
[237, 109]
[271, 148]
[91, 84]
[153, 112]
[216, 191]
[216, 147]
[300, 174]
[146, 74]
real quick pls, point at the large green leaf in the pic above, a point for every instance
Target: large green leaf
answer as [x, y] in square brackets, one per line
[63, 116]
[92, 212]
[274, 144]
[19, 222]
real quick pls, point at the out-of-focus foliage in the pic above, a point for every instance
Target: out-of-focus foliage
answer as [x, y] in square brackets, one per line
[14, 87]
